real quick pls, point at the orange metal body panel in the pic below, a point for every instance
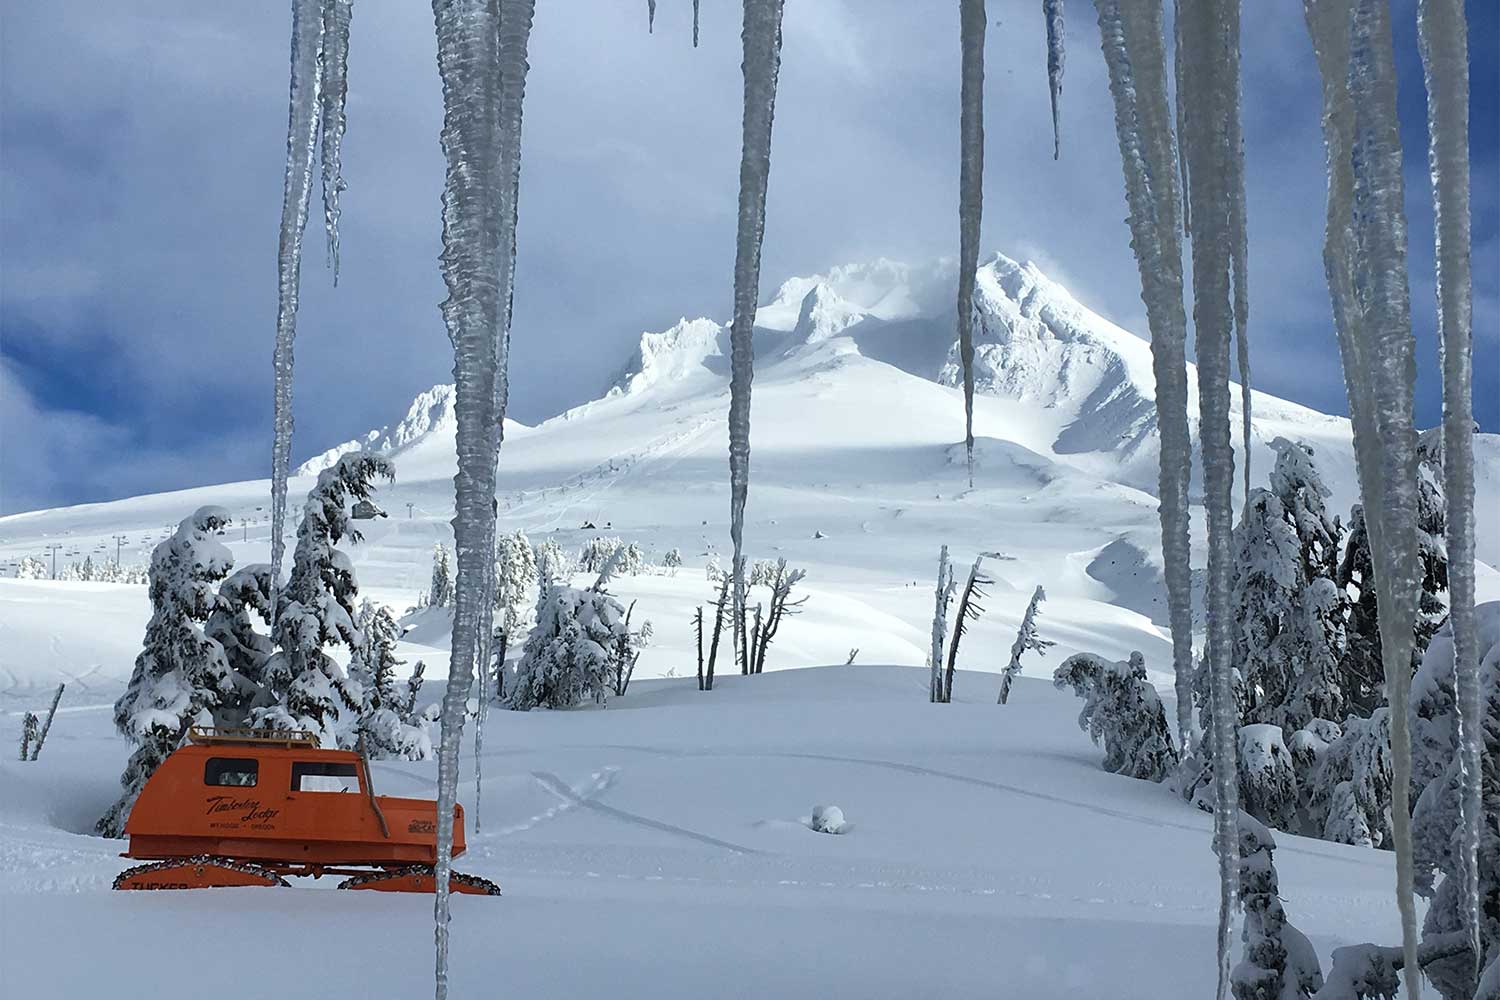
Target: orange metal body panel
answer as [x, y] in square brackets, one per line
[179, 815]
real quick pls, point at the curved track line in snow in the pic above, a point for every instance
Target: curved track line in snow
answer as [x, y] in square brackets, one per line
[555, 785]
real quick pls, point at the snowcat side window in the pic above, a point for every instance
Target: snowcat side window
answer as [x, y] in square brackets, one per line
[239, 771]
[320, 776]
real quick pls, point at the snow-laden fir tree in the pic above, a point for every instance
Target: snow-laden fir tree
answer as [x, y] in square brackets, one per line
[552, 563]
[1268, 779]
[1288, 612]
[31, 568]
[1361, 664]
[1436, 787]
[598, 551]
[389, 724]
[1278, 961]
[245, 592]
[1122, 711]
[440, 593]
[181, 675]
[1350, 800]
[515, 582]
[305, 688]
[673, 558]
[1026, 638]
[578, 649]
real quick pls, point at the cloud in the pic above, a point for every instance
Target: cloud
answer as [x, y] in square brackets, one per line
[141, 188]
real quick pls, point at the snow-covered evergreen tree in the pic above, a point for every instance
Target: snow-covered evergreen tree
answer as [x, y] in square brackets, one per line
[515, 582]
[579, 647]
[1350, 800]
[1026, 638]
[673, 558]
[1361, 664]
[1278, 961]
[246, 591]
[1436, 791]
[1289, 637]
[1123, 712]
[181, 675]
[552, 563]
[305, 688]
[388, 722]
[440, 593]
[31, 568]
[1268, 779]
[598, 551]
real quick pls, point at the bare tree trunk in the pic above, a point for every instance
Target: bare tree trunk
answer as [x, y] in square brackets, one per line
[28, 733]
[698, 631]
[968, 608]
[37, 749]
[940, 626]
[713, 649]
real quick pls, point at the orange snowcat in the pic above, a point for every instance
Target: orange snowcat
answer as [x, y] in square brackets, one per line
[237, 807]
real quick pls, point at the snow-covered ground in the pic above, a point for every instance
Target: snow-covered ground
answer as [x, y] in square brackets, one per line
[655, 848]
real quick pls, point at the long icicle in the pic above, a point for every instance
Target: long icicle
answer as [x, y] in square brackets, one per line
[1052, 12]
[515, 38]
[301, 141]
[761, 36]
[1365, 256]
[1240, 264]
[1209, 33]
[1135, 53]
[695, 24]
[1444, 43]
[481, 66]
[1181, 111]
[970, 196]
[335, 76]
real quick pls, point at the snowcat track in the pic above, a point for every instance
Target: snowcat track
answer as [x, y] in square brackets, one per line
[202, 871]
[420, 878]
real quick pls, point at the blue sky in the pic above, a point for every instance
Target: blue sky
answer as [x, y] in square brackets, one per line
[141, 149]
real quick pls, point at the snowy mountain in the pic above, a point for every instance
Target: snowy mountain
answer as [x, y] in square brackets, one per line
[430, 412]
[857, 474]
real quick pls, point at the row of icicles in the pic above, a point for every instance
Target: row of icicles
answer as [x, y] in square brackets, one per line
[1184, 175]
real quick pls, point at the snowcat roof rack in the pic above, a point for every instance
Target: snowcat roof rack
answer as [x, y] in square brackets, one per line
[288, 738]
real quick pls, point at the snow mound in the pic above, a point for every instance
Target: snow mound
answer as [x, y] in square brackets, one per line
[827, 819]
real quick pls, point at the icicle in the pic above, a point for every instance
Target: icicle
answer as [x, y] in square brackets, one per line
[970, 197]
[1177, 68]
[483, 67]
[301, 140]
[1209, 52]
[1135, 53]
[650, 17]
[1445, 60]
[761, 36]
[1052, 10]
[1240, 264]
[695, 24]
[336, 15]
[1365, 256]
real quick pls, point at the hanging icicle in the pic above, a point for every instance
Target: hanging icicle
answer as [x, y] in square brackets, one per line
[1135, 53]
[761, 36]
[483, 67]
[301, 141]
[970, 196]
[650, 17]
[1177, 90]
[1052, 11]
[1239, 270]
[1365, 256]
[1209, 53]
[695, 24]
[1444, 43]
[335, 76]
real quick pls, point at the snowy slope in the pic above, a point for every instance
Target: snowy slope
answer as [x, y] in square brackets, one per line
[656, 850]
